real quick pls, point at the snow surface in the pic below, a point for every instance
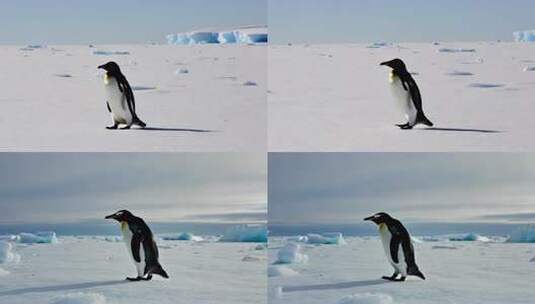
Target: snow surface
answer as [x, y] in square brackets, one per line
[336, 98]
[475, 272]
[524, 36]
[242, 35]
[86, 270]
[245, 233]
[206, 110]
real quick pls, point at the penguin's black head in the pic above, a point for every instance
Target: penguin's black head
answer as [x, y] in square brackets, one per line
[379, 218]
[396, 64]
[120, 216]
[111, 67]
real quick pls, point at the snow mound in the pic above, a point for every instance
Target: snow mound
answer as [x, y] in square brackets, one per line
[184, 236]
[524, 36]
[485, 85]
[459, 73]
[45, 237]
[182, 71]
[80, 298]
[334, 238]
[291, 254]
[245, 233]
[6, 253]
[113, 239]
[524, 234]
[275, 292]
[529, 69]
[378, 45]
[281, 271]
[469, 237]
[366, 298]
[459, 50]
[242, 35]
[444, 247]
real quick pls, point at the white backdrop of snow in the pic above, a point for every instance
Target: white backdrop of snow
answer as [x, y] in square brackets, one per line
[80, 298]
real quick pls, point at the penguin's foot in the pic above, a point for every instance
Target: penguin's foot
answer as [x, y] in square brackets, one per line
[112, 127]
[126, 127]
[406, 126]
[134, 279]
[148, 278]
[394, 279]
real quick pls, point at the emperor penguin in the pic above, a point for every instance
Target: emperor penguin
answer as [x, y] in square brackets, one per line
[406, 94]
[119, 98]
[393, 234]
[140, 245]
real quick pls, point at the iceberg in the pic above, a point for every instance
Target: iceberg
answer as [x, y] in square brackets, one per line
[6, 253]
[245, 233]
[291, 254]
[243, 35]
[109, 53]
[46, 237]
[458, 50]
[469, 237]
[334, 238]
[184, 236]
[524, 36]
[524, 234]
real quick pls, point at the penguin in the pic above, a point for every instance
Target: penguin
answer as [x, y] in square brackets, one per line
[393, 234]
[140, 245]
[407, 94]
[120, 98]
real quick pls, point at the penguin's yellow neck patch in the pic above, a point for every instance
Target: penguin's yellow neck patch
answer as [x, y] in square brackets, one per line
[124, 226]
[391, 77]
[106, 79]
[382, 226]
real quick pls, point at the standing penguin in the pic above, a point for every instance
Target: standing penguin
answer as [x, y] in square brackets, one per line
[407, 94]
[140, 244]
[120, 98]
[393, 234]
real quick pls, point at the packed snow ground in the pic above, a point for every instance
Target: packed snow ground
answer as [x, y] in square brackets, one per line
[337, 97]
[92, 271]
[193, 98]
[457, 272]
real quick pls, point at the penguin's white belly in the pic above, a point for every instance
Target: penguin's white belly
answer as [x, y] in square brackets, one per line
[386, 236]
[402, 99]
[117, 101]
[127, 237]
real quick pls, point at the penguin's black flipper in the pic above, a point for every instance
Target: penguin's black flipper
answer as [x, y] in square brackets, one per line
[136, 246]
[394, 248]
[108, 105]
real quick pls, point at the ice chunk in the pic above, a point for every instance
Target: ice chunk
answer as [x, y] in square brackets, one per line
[523, 234]
[335, 238]
[469, 237]
[485, 85]
[458, 50]
[47, 237]
[366, 298]
[524, 36]
[378, 45]
[80, 298]
[250, 84]
[529, 69]
[245, 233]
[281, 271]
[291, 254]
[275, 292]
[182, 71]
[184, 236]
[6, 253]
[109, 53]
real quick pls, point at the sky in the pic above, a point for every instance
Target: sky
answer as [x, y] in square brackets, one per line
[178, 187]
[343, 188]
[119, 21]
[364, 21]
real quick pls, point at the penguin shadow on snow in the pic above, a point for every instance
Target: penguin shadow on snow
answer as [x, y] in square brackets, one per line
[461, 130]
[342, 285]
[64, 287]
[174, 129]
